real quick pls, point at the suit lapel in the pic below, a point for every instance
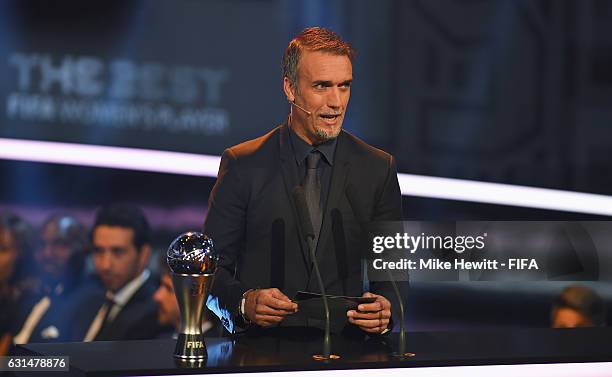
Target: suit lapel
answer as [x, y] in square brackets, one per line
[290, 178]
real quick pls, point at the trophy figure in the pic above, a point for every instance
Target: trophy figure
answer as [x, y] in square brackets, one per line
[193, 262]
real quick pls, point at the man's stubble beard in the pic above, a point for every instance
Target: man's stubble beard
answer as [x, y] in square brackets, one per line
[324, 136]
[321, 135]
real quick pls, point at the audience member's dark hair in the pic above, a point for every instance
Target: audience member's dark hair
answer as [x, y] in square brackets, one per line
[126, 216]
[23, 236]
[19, 282]
[74, 235]
[71, 230]
[21, 231]
[585, 301]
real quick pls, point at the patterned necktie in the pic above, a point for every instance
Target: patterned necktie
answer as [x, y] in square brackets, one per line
[312, 189]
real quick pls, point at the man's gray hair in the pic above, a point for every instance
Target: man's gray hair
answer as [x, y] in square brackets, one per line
[313, 39]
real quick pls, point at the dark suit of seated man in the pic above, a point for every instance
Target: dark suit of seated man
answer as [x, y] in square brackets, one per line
[60, 261]
[253, 220]
[120, 249]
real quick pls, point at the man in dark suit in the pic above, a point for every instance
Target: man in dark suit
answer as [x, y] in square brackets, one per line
[121, 250]
[60, 260]
[252, 217]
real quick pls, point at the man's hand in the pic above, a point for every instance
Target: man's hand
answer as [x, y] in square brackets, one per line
[268, 307]
[372, 318]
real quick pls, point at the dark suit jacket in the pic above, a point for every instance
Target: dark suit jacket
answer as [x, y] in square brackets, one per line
[253, 221]
[136, 320]
[60, 314]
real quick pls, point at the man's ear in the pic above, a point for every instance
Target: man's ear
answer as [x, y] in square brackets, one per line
[143, 257]
[288, 88]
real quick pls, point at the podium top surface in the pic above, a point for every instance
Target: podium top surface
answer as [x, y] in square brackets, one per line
[293, 353]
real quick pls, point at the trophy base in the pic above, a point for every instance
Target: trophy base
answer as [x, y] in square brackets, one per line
[402, 356]
[190, 348]
[189, 364]
[325, 358]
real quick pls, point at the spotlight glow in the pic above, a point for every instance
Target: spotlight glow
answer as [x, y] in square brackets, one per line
[207, 166]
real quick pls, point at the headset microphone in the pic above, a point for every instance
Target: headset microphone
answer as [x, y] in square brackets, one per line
[301, 108]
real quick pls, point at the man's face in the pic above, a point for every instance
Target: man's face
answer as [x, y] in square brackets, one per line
[115, 256]
[8, 255]
[323, 88]
[54, 252]
[168, 309]
[569, 318]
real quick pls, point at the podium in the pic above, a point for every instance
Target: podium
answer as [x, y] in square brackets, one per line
[587, 347]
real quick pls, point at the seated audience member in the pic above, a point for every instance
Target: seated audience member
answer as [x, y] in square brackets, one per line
[16, 239]
[168, 312]
[60, 258]
[578, 306]
[120, 252]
